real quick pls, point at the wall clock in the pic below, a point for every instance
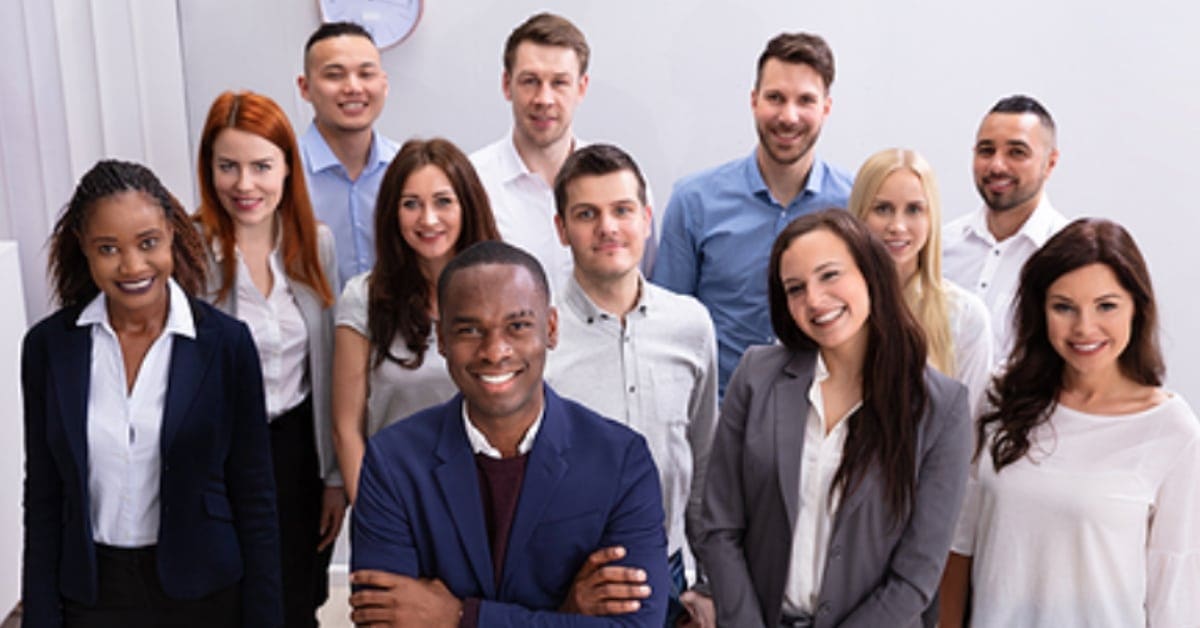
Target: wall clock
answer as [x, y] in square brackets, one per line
[388, 21]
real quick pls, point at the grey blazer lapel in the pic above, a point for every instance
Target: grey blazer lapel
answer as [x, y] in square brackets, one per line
[869, 486]
[790, 408]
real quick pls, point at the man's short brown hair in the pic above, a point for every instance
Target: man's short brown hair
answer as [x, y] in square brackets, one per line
[806, 48]
[547, 29]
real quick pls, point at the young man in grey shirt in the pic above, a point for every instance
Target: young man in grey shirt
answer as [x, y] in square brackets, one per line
[630, 350]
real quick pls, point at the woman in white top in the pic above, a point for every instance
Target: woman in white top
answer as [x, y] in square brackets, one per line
[270, 264]
[896, 195]
[1083, 506]
[430, 206]
[148, 493]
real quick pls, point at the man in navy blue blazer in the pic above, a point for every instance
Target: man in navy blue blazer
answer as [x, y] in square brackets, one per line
[481, 511]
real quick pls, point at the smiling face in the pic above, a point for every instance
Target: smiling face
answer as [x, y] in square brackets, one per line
[249, 173]
[127, 241]
[1089, 317]
[826, 293]
[544, 87]
[345, 82]
[790, 104]
[899, 216]
[1014, 155]
[430, 215]
[495, 328]
[605, 224]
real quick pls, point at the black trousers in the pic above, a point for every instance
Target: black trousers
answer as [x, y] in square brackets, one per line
[298, 491]
[131, 596]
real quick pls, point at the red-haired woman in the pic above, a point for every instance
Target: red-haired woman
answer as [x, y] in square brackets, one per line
[431, 205]
[270, 265]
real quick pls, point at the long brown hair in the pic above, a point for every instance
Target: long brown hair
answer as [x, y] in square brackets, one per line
[398, 293]
[258, 114]
[68, 265]
[1025, 394]
[883, 431]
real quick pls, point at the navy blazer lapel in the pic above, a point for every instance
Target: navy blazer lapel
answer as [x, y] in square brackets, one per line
[459, 482]
[543, 471]
[790, 412]
[190, 359]
[71, 371]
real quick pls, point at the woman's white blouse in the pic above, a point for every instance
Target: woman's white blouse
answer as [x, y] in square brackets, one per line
[279, 333]
[1099, 525]
[817, 507]
[124, 429]
[394, 392]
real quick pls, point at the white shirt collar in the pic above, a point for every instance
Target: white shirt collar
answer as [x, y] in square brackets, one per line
[1037, 228]
[512, 166]
[480, 444]
[817, 400]
[179, 313]
[1041, 224]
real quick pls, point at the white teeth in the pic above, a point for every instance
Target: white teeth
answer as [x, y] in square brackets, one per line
[828, 317]
[497, 379]
[1088, 348]
[354, 105]
[136, 285]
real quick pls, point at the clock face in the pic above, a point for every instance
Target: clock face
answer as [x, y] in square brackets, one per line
[388, 21]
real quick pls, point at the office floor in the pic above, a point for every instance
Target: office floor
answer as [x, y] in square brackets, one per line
[336, 612]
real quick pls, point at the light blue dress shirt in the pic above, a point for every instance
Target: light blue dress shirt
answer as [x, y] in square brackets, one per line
[716, 242]
[347, 207]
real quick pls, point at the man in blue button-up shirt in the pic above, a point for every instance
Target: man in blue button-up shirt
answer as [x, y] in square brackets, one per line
[344, 158]
[720, 223]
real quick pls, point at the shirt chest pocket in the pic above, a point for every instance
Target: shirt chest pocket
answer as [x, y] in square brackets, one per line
[665, 418]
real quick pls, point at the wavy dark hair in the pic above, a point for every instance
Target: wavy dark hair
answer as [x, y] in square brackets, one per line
[68, 265]
[398, 293]
[258, 114]
[1024, 396]
[895, 395]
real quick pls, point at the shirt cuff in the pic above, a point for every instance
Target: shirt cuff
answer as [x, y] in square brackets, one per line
[470, 613]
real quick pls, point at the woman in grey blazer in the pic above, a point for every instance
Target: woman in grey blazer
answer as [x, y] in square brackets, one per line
[840, 456]
[270, 264]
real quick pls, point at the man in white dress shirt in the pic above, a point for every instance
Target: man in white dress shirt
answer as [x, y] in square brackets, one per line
[545, 78]
[632, 351]
[1015, 152]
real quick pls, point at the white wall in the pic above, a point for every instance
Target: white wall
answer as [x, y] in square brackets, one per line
[12, 433]
[670, 82]
[83, 80]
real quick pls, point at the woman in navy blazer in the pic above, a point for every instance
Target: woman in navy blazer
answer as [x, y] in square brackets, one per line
[269, 265]
[149, 498]
[840, 456]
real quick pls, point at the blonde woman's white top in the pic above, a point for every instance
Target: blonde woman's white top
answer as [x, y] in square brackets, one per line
[971, 333]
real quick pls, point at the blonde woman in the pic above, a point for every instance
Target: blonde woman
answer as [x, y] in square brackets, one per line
[895, 195]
